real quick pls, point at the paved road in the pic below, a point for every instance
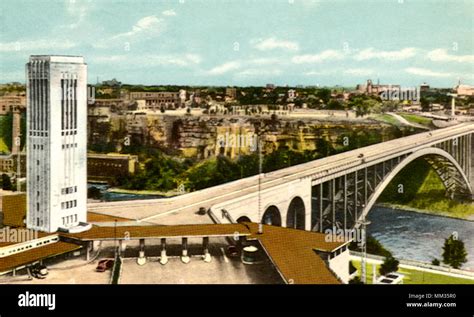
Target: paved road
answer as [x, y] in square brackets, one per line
[406, 122]
[186, 205]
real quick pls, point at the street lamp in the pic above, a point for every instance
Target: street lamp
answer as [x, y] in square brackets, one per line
[260, 168]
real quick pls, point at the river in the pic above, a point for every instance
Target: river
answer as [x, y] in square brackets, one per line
[112, 196]
[416, 236]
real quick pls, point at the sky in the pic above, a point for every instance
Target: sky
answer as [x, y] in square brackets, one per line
[246, 42]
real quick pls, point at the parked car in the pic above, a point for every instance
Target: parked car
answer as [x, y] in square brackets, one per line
[232, 251]
[39, 271]
[104, 265]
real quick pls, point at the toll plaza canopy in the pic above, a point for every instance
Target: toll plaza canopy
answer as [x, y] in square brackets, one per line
[292, 251]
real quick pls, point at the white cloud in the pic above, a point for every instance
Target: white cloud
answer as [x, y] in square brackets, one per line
[371, 53]
[426, 72]
[150, 25]
[224, 68]
[314, 73]
[169, 13]
[149, 60]
[259, 72]
[36, 45]
[359, 71]
[317, 58]
[273, 43]
[77, 10]
[442, 55]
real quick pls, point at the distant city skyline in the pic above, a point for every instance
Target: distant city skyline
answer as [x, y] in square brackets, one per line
[247, 43]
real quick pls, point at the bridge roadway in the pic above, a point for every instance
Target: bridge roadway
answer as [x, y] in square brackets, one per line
[318, 170]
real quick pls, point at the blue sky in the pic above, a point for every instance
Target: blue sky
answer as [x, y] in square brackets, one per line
[246, 42]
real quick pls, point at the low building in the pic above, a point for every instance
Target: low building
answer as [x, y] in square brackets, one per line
[464, 90]
[155, 101]
[376, 89]
[105, 167]
[231, 92]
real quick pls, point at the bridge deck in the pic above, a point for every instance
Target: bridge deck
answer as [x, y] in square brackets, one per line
[149, 210]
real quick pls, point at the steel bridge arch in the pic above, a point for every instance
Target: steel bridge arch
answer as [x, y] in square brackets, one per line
[407, 160]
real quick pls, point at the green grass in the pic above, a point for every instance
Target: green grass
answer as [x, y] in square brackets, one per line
[415, 276]
[5, 134]
[424, 192]
[417, 119]
[431, 195]
[3, 147]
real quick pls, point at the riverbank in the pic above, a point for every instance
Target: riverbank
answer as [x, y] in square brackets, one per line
[455, 213]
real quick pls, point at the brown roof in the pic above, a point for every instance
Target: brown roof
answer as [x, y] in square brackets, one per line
[137, 232]
[292, 252]
[19, 236]
[14, 210]
[26, 257]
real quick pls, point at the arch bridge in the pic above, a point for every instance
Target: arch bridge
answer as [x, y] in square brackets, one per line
[334, 191]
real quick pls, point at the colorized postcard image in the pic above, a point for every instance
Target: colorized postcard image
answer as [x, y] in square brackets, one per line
[202, 145]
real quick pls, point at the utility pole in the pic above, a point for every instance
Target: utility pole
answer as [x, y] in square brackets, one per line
[18, 168]
[453, 104]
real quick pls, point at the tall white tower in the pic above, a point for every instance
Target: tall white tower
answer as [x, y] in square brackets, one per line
[56, 140]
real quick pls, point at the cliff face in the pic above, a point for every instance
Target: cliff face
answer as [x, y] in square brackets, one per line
[206, 136]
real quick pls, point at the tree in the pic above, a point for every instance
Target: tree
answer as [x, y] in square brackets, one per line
[334, 104]
[389, 265]
[356, 280]
[454, 252]
[94, 193]
[324, 94]
[425, 104]
[6, 182]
